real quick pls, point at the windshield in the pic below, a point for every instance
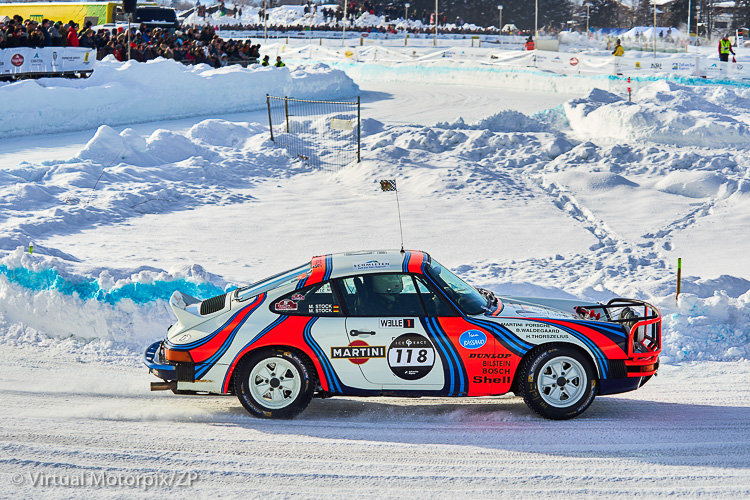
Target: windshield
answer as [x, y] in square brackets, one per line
[274, 281]
[468, 299]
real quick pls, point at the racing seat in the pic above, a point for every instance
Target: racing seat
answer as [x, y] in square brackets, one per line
[363, 303]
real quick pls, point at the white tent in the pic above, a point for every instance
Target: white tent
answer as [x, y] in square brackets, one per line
[648, 32]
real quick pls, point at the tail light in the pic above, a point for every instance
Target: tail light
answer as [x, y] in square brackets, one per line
[177, 356]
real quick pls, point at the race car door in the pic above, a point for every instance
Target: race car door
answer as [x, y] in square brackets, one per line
[387, 339]
[319, 324]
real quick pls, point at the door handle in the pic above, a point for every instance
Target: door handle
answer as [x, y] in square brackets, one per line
[355, 333]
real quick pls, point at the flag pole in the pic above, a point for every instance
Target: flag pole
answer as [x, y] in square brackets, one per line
[390, 185]
[401, 228]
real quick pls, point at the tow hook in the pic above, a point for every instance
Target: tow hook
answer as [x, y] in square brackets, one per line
[164, 386]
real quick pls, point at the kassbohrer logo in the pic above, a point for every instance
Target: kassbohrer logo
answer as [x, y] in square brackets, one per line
[16, 60]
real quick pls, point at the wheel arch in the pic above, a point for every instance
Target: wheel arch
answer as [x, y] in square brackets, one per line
[533, 351]
[229, 384]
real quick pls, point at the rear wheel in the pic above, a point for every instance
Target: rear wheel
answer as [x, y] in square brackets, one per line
[273, 383]
[557, 382]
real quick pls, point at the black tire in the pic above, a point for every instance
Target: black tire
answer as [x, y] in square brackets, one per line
[280, 400]
[548, 399]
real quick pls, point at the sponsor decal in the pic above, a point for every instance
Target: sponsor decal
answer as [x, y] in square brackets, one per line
[322, 308]
[638, 64]
[655, 65]
[297, 297]
[532, 330]
[54, 57]
[472, 339]
[285, 305]
[371, 264]
[488, 380]
[411, 356]
[349, 54]
[489, 356]
[16, 60]
[396, 323]
[301, 276]
[574, 61]
[86, 57]
[36, 59]
[184, 338]
[358, 352]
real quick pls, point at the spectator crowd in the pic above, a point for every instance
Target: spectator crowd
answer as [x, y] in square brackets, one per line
[191, 46]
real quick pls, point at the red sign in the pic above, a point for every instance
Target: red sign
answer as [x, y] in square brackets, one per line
[16, 60]
[573, 61]
[286, 305]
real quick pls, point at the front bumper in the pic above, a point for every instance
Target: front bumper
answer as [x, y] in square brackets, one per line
[151, 358]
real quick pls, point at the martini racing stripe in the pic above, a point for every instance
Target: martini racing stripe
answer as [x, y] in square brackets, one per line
[599, 357]
[508, 339]
[456, 373]
[405, 265]
[242, 352]
[328, 267]
[242, 314]
[201, 368]
[334, 385]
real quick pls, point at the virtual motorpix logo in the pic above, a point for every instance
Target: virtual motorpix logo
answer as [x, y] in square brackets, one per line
[106, 479]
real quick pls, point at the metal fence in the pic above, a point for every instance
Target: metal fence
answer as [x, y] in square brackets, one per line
[323, 134]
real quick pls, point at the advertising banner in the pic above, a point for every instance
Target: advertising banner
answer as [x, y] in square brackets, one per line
[47, 60]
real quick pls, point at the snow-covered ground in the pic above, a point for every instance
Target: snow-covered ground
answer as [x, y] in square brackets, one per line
[518, 187]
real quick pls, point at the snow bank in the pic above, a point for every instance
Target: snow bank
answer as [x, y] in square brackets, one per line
[122, 93]
[664, 112]
[39, 295]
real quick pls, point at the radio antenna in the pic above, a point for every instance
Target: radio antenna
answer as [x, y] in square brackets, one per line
[390, 185]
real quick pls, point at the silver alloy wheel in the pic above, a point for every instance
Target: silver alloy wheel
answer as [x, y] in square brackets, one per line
[562, 382]
[274, 383]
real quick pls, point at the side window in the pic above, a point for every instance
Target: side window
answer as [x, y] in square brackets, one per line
[434, 304]
[315, 300]
[381, 295]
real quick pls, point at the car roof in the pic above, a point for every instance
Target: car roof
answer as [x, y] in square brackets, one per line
[324, 267]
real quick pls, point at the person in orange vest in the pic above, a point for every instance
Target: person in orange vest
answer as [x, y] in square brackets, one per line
[725, 47]
[529, 45]
[619, 51]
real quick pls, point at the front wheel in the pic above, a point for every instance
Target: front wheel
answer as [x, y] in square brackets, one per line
[273, 383]
[557, 382]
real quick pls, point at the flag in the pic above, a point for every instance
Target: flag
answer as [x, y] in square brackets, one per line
[388, 185]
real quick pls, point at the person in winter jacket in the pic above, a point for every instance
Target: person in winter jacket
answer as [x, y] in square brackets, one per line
[73, 36]
[529, 45]
[265, 61]
[725, 48]
[619, 50]
[279, 64]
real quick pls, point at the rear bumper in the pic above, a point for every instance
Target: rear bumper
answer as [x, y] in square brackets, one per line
[151, 359]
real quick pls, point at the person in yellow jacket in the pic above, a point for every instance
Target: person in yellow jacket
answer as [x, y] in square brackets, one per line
[619, 51]
[279, 63]
[725, 48]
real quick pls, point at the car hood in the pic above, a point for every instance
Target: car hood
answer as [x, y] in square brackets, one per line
[538, 307]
